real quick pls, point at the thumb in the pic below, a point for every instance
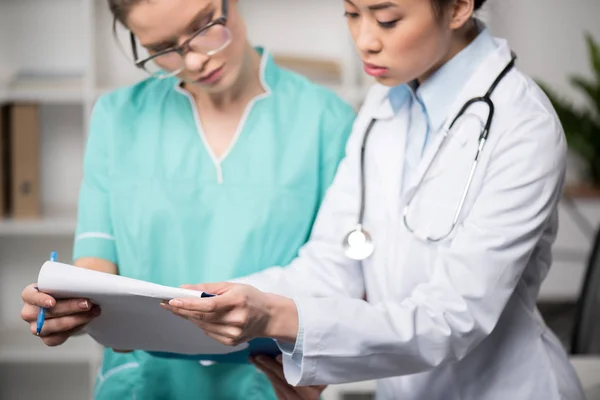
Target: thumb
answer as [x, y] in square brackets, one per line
[211, 288]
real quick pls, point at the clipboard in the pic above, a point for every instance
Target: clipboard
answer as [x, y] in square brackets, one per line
[132, 318]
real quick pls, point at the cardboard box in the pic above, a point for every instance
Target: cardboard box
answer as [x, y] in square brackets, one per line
[24, 166]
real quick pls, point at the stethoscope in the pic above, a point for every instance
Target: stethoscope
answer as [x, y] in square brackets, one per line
[358, 244]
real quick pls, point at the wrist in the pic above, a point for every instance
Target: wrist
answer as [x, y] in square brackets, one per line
[283, 319]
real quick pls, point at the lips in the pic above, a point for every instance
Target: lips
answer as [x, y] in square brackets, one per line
[374, 70]
[212, 76]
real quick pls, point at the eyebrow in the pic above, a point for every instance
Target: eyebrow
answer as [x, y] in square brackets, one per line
[376, 7]
[199, 15]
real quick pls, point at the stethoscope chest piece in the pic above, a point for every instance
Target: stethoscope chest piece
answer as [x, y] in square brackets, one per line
[358, 244]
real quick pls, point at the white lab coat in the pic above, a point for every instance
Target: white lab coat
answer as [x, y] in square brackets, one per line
[450, 320]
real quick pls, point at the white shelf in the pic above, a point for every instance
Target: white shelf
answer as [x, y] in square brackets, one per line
[20, 346]
[48, 89]
[52, 224]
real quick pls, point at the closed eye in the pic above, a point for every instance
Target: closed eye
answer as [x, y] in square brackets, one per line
[388, 24]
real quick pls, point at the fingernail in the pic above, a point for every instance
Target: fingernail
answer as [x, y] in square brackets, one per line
[176, 303]
[84, 305]
[48, 304]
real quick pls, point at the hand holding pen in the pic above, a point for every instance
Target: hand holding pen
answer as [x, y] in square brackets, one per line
[55, 320]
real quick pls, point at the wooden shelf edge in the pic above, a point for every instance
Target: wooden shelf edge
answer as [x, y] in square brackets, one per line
[19, 346]
[50, 224]
[579, 191]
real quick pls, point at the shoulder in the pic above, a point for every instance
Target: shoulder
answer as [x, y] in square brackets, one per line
[529, 123]
[143, 95]
[523, 100]
[303, 95]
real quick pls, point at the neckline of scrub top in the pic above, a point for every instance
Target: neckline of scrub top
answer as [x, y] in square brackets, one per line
[266, 74]
[438, 93]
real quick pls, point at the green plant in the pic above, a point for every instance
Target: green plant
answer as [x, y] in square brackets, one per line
[582, 125]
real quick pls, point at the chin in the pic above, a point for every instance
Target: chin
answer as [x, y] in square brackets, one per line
[388, 81]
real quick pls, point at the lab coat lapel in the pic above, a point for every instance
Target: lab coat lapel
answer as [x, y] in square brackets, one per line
[389, 161]
[477, 86]
[385, 152]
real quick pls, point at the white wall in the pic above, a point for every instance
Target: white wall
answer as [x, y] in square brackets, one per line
[313, 28]
[299, 25]
[548, 36]
[114, 59]
[4, 49]
[49, 30]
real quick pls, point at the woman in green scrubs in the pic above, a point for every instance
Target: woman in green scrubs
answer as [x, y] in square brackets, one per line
[208, 171]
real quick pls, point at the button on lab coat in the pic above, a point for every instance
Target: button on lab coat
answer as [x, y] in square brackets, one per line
[455, 319]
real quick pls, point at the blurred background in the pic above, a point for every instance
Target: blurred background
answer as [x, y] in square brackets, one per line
[58, 56]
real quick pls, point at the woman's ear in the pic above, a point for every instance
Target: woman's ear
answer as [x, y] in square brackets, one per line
[460, 12]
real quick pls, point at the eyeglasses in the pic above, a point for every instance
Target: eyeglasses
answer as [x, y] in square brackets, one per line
[208, 40]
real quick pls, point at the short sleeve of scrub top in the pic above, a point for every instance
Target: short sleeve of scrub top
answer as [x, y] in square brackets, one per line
[94, 229]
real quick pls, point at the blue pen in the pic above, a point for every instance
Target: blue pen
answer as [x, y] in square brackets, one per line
[42, 312]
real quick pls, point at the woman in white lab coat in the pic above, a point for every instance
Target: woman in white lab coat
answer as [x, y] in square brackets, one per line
[445, 305]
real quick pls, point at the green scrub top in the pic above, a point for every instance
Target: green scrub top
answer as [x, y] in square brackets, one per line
[158, 203]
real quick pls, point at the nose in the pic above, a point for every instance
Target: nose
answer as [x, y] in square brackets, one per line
[366, 38]
[194, 61]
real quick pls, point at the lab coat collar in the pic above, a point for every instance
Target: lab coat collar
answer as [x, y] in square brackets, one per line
[439, 91]
[378, 103]
[479, 83]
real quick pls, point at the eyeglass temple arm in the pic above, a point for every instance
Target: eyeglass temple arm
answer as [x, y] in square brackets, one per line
[225, 7]
[133, 47]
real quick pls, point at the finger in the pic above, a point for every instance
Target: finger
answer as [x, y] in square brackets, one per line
[69, 307]
[237, 317]
[233, 334]
[211, 288]
[191, 315]
[282, 393]
[269, 364]
[205, 305]
[283, 390]
[59, 338]
[29, 312]
[62, 308]
[31, 295]
[65, 324]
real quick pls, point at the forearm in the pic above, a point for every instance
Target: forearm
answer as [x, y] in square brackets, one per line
[97, 264]
[283, 325]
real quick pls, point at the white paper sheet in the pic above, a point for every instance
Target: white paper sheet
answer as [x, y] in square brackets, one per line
[131, 318]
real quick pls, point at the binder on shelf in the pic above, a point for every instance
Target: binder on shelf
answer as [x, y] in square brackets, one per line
[23, 141]
[4, 179]
[316, 69]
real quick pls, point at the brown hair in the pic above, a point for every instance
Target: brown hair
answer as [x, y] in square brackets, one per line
[439, 5]
[120, 10]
